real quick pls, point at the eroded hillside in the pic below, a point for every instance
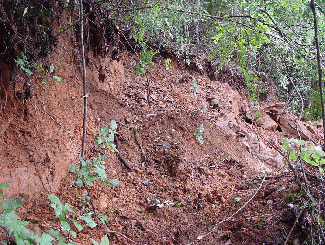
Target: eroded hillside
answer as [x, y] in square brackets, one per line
[178, 188]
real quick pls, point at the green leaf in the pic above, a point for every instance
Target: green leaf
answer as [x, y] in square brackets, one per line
[96, 161]
[78, 226]
[58, 79]
[65, 225]
[20, 62]
[79, 181]
[236, 200]
[320, 220]
[104, 131]
[68, 207]
[46, 238]
[54, 233]
[4, 185]
[111, 137]
[101, 173]
[29, 72]
[114, 147]
[51, 68]
[74, 168]
[115, 182]
[318, 154]
[286, 145]
[55, 199]
[83, 162]
[84, 171]
[8, 205]
[306, 157]
[104, 219]
[73, 234]
[104, 241]
[89, 220]
[177, 205]
[292, 155]
[94, 242]
[99, 141]
[322, 161]
[113, 125]
[89, 179]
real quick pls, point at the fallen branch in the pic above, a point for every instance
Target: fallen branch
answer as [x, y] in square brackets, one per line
[119, 155]
[229, 218]
[140, 147]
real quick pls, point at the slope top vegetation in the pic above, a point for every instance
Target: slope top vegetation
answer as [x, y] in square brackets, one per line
[162, 122]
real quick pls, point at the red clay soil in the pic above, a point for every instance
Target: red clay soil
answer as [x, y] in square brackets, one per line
[157, 115]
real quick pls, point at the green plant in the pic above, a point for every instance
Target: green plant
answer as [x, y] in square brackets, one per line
[168, 64]
[311, 155]
[106, 137]
[290, 198]
[302, 158]
[199, 134]
[177, 205]
[144, 63]
[104, 241]
[16, 229]
[89, 171]
[10, 222]
[71, 222]
[260, 223]
[27, 66]
[236, 200]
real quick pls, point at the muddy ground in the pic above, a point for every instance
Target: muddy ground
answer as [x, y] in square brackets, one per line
[177, 189]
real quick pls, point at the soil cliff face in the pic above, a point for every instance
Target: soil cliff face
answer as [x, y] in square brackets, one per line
[157, 116]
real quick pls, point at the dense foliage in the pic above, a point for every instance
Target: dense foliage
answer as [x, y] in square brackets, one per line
[261, 38]
[273, 39]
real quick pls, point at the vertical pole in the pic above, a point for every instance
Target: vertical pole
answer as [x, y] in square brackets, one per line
[84, 79]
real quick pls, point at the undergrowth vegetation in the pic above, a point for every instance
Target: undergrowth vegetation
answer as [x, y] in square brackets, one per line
[307, 163]
[72, 222]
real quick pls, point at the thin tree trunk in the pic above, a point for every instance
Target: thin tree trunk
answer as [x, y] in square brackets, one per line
[84, 79]
[319, 68]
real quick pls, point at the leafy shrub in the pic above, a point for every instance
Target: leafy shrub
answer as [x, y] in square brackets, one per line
[311, 197]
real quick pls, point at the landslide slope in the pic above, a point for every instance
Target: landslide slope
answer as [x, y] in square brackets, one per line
[157, 116]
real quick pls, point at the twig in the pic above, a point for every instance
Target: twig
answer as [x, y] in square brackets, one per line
[230, 217]
[118, 233]
[295, 224]
[148, 92]
[119, 155]
[137, 142]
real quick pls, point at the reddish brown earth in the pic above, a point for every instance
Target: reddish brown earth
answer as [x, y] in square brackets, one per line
[157, 115]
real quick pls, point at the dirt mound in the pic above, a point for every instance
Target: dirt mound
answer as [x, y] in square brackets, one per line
[179, 187]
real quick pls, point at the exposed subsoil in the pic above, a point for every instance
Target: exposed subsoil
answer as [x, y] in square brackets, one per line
[157, 115]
